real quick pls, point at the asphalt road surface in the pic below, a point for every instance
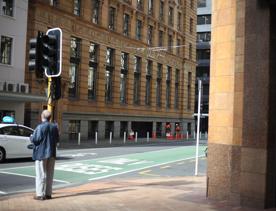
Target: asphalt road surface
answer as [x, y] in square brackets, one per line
[74, 167]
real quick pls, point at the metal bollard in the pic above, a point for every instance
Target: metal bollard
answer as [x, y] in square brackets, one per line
[147, 136]
[187, 135]
[124, 137]
[110, 137]
[136, 134]
[79, 138]
[96, 138]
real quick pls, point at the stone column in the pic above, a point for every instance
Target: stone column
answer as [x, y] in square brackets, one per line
[238, 112]
[84, 130]
[117, 127]
[101, 130]
[64, 134]
[163, 129]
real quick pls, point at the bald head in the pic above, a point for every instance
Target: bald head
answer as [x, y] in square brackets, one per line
[45, 115]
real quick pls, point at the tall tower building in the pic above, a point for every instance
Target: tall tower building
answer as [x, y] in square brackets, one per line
[204, 11]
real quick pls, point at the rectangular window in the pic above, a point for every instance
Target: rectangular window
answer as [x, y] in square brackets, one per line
[189, 90]
[75, 48]
[6, 50]
[150, 35]
[140, 5]
[176, 91]
[74, 66]
[203, 37]
[137, 79]
[138, 29]
[203, 19]
[159, 85]
[8, 7]
[168, 87]
[170, 16]
[178, 47]
[161, 11]
[201, 3]
[191, 25]
[179, 21]
[170, 43]
[54, 3]
[95, 11]
[150, 7]
[190, 50]
[148, 82]
[160, 38]
[111, 22]
[123, 77]
[109, 74]
[203, 54]
[126, 25]
[73, 79]
[77, 7]
[92, 71]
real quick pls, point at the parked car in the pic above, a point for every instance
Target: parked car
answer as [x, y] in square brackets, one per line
[15, 141]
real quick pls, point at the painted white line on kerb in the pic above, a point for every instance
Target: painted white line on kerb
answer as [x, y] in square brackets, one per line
[24, 175]
[142, 168]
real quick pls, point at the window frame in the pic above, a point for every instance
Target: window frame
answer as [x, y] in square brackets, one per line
[10, 52]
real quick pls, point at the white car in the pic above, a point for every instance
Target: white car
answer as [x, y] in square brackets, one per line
[15, 141]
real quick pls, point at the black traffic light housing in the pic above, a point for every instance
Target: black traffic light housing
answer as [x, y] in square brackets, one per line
[53, 50]
[49, 54]
[56, 88]
[35, 55]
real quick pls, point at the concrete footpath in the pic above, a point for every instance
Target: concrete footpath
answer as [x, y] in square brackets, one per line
[157, 194]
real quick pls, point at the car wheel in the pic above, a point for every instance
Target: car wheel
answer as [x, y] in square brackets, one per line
[2, 155]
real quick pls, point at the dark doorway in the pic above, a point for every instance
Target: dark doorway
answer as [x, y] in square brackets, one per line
[92, 128]
[142, 128]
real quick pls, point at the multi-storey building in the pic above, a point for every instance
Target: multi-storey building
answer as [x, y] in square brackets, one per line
[14, 92]
[127, 64]
[203, 58]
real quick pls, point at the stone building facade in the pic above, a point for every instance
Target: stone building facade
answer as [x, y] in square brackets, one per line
[127, 64]
[242, 153]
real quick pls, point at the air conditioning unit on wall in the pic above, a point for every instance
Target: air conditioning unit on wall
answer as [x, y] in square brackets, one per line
[11, 86]
[23, 88]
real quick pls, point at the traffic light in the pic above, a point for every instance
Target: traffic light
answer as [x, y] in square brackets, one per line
[35, 56]
[56, 88]
[52, 50]
[49, 54]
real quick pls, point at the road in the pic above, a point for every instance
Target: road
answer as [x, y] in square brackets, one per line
[75, 167]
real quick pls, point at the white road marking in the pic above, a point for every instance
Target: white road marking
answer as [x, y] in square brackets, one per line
[3, 193]
[89, 169]
[24, 175]
[138, 169]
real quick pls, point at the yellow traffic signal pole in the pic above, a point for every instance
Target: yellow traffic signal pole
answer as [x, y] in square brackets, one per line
[49, 104]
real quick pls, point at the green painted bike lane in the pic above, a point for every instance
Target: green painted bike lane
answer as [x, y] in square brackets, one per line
[94, 169]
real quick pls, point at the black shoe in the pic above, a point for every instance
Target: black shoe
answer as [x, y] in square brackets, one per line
[48, 197]
[40, 198]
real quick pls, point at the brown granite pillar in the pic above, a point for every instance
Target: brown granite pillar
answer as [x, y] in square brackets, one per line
[240, 101]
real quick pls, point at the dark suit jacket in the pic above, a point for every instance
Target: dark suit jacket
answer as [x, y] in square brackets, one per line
[45, 138]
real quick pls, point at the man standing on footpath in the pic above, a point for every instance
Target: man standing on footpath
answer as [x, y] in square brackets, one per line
[44, 138]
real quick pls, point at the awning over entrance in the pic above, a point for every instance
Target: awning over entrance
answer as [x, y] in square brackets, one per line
[21, 97]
